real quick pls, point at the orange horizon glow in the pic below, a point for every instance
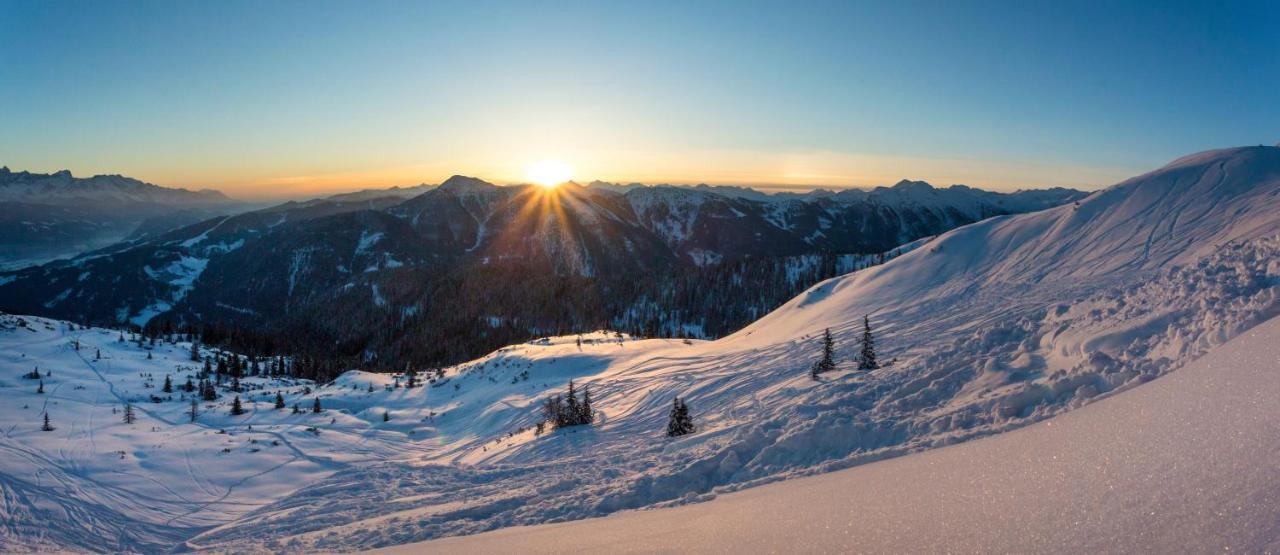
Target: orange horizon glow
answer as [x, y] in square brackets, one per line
[761, 170]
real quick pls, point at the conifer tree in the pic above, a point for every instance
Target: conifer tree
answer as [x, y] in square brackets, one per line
[588, 415]
[315, 407]
[149, 355]
[168, 385]
[296, 410]
[188, 387]
[386, 416]
[40, 389]
[279, 401]
[47, 427]
[128, 413]
[678, 420]
[867, 358]
[236, 409]
[193, 411]
[97, 354]
[573, 411]
[828, 362]
[207, 391]
[195, 352]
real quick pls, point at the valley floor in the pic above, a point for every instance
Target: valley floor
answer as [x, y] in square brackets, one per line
[1187, 463]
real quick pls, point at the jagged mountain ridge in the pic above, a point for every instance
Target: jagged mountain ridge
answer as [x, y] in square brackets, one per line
[47, 216]
[62, 188]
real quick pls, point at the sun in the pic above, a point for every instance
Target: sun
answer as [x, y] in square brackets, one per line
[549, 173]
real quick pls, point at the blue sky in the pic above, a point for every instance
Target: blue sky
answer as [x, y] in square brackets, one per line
[278, 98]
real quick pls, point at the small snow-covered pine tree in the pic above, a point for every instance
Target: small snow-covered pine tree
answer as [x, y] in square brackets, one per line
[279, 401]
[867, 357]
[572, 409]
[128, 413]
[678, 420]
[315, 407]
[168, 385]
[193, 411]
[236, 408]
[828, 362]
[47, 427]
[587, 414]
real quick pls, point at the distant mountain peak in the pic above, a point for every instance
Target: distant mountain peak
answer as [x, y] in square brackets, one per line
[909, 185]
[463, 184]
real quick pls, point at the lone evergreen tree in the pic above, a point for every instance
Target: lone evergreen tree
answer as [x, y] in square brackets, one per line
[315, 407]
[279, 401]
[867, 358]
[386, 416]
[236, 409]
[189, 386]
[194, 410]
[47, 427]
[828, 362]
[40, 389]
[678, 421]
[148, 355]
[195, 352]
[168, 385]
[128, 413]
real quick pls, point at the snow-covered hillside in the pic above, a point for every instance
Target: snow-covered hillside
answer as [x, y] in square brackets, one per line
[1184, 465]
[984, 329]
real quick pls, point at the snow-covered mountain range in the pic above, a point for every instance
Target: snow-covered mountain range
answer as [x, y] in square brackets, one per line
[49, 216]
[63, 188]
[983, 329]
[493, 264]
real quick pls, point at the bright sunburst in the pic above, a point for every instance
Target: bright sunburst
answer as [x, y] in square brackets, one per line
[549, 173]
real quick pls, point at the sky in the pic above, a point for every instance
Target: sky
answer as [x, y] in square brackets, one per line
[282, 98]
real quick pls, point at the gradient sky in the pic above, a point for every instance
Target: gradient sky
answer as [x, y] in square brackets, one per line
[268, 99]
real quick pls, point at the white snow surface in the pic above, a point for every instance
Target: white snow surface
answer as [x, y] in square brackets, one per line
[984, 329]
[987, 328]
[1186, 464]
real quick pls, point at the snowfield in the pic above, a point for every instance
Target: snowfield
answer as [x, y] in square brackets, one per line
[987, 328]
[1186, 464]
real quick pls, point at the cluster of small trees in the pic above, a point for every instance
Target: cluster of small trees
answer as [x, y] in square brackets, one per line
[866, 354]
[567, 411]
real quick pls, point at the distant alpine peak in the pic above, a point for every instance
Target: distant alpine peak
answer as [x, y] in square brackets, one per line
[463, 184]
[907, 185]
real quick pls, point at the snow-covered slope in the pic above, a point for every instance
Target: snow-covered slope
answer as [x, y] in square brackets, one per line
[985, 329]
[1184, 465]
[95, 483]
